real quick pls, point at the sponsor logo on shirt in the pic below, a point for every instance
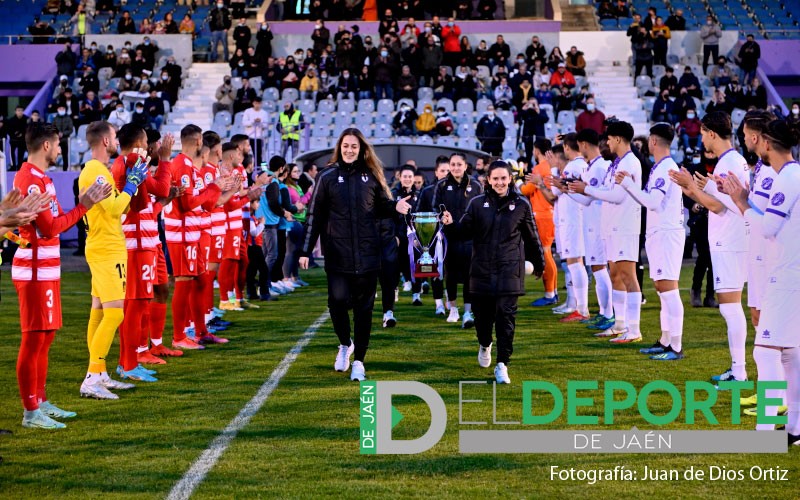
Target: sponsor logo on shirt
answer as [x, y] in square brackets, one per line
[659, 183]
[209, 178]
[100, 180]
[33, 189]
[593, 182]
[185, 181]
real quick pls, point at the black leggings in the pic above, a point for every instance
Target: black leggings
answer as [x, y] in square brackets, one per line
[702, 266]
[389, 278]
[456, 270]
[500, 314]
[357, 292]
[277, 269]
[257, 265]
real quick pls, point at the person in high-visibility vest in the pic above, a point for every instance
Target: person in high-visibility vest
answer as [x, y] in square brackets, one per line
[289, 125]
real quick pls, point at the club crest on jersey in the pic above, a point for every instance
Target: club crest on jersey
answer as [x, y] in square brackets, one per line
[33, 189]
[185, 181]
[364, 177]
[593, 182]
[100, 180]
[660, 183]
[198, 183]
[767, 183]
[469, 188]
[512, 207]
[341, 179]
[778, 199]
[485, 204]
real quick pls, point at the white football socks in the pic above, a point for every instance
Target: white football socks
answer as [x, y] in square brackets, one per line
[580, 287]
[633, 312]
[770, 368]
[618, 299]
[602, 286]
[737, 336]
[674, 307]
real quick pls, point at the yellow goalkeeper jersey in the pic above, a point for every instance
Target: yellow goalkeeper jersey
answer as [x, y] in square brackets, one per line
[104, 237]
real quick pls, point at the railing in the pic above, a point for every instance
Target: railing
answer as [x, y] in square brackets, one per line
[12, 39]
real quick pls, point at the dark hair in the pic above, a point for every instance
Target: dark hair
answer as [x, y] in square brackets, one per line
[460, 155]
[558, 149]
[758, 119]
[408, 167]
[37, 133]
[663, 131]
[289, 181]
[570, 141]
[128, 134]
[718, 122]
[153, 135]
[238, 139]
[229, 146]
[276, 163]
[495, 165]
[190, 131]
[589, 136]
[782, 134]
[366, 153]
[96, 131]
[442, 159]
[211, 139]
[619, 128]
[543, 145]
[307, 167]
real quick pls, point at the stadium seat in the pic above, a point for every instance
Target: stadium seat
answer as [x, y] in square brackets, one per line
[343, 118]
[363, 119]
[466, 130]
[508, 118]
[384, 118]
[385, 106]
[383, 130]
[425, 102]
[465, 105]
[425, 93]
[366, 105]
[402, 101]
[271, 94]
[566, 119]
[306, 106]
[548, 109]
[255, 82]
[425, 139]
[320, 130]
[82, 132]
[326, 106]
[550, 131]
[462, 117]
[737, 116]
[322, 119]
[404, 139]
[481, 106]
[318, 143]
[238, 117]
[467, 143]
[447, 141]
[223, 118]
[445, 103]
[346, 105]
[290, 94]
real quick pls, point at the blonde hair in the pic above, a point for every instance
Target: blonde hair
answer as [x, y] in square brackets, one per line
[366, 153]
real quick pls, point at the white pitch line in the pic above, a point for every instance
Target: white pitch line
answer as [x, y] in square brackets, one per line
[208, 459]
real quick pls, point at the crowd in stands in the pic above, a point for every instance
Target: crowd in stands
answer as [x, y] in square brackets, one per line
[426, 67]
[370, 10]
[126, 85]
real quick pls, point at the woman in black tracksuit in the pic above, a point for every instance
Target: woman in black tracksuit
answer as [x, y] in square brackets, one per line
[349, 199]
[394, 257]
[500, 224]
[455, 192]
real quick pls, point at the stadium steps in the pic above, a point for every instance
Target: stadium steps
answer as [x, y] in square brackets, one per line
[613, 87]
[197, 96]
[578, 17]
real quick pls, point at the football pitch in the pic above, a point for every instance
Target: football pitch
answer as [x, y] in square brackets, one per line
[303, 442]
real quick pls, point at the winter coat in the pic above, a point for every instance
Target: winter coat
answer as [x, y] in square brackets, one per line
[455, 196]
[426, 121]
[504, 236]
[345, 211]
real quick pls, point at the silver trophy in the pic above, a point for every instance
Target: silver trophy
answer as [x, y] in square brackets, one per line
[426, 228]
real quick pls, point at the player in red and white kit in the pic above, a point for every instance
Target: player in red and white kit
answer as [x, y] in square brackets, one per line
[183, 224]
[234, 233]
[36, 273]
[141, 238]
[243, 143]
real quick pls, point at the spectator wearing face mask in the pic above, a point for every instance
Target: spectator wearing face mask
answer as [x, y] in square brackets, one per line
[690, 82]
[406, 85]
[689, 131]
[721, 73]
[404, 121]
[224, 96]
[119, 116]
[66, 127]
[682, 105]
[384, 71]
[710, 35]
[140, 116]
[321, 36]
[426, 123]
[309, 85]
[444, 124]
[562, 78]
[719, 103]
[669, 82]
[219, 22]
[450, 39]
[592, 118]
[503, 95]
[154, 105]
[490, 132]
[662, 109]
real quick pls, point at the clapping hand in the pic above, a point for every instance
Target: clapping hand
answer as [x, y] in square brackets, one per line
[403, 206]
[620, 176]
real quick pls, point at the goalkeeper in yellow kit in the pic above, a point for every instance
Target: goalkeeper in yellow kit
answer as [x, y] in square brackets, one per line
[107, 256]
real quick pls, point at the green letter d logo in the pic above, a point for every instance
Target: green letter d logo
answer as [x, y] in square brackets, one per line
[386, 416]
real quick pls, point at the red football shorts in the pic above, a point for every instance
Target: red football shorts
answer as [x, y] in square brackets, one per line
[162, 276]
[142, 268]
[204, 251]
[39, 305]
[233, 245]
[217, 245]
[184, 258]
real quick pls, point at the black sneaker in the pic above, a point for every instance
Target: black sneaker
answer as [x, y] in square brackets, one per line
[710, 302]
[694, 298]
[656, 348]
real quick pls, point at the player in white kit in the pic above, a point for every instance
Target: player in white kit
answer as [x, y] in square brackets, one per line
[570, 222]
[727, 234]
[777, 344]
[621, 225]
[593, 237]
[665, 239]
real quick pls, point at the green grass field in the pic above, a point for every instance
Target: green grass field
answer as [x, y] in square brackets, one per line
[304, 441]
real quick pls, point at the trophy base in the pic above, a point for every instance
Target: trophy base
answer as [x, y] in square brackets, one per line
[426, 271]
